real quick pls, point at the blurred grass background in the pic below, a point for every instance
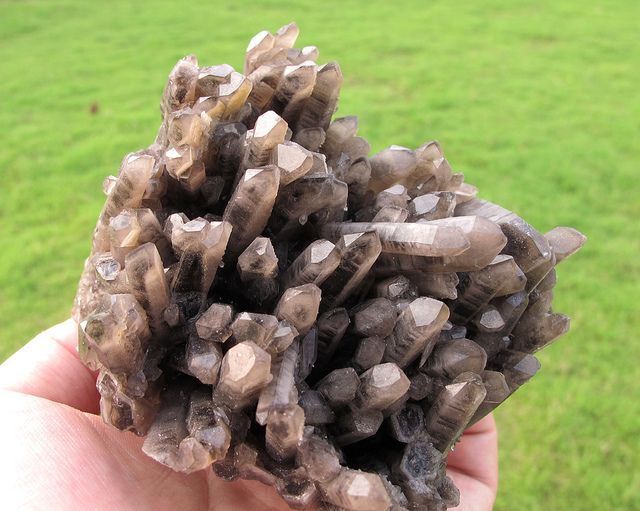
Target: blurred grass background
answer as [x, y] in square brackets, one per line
[536, 101]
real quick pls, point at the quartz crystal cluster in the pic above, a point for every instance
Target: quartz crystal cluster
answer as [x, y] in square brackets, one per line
[266, 300]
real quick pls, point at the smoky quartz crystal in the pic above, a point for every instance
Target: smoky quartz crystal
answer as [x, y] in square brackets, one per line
[265, 299]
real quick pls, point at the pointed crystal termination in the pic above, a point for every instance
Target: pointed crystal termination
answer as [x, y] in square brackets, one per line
[203, 359]
[518, 368]
[497, 392]
[253, 327]
[185, 127]
[121, 409]
[283, 337]
[319, 458]
[299, 306]
[181, 86]
[314, 264]
[339, 132]
[201, 246]
[450, 359]
[391, 214]
[381, 386]
[184, 166]
[546, 330]
[258, 267]
[394, 196]
[453, 409]
[437, 285]
[102, 275]
[293, 160]
[527, 246]
[124, 234]
[565, 241]
[210, 77]
[432, 206]
[358, 254]
[117, 333]
[169, 428]
[396, 288]
[269, 131]
[390, 166]
[322, 103]
[146, 278]
[407, 239]
[416, 331]
[339, 387]
[127, 192]
[357, 491]
[189, 433]
[215, 323]
[249, 209]
[485, 238]
[310, 138]
[285, 427]
[244, 373]
[258, 261]
[295, 86]
[500, 277]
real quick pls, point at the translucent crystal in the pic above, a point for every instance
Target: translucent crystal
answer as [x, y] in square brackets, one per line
[416, 331]
[453, 409]
[381, 386]
[249, 208]
[258, 260]
[357, 491]
[265, 298]
[214, 323]
[245, 371]
[313, 265]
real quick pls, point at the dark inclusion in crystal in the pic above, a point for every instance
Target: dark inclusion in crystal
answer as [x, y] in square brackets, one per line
[267, 300]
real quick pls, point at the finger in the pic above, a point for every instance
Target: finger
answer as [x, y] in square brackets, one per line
[49, 367]
[474, 494]
[60, 458]
[473, 464]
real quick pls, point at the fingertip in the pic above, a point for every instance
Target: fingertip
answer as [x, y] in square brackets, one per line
[49, 367]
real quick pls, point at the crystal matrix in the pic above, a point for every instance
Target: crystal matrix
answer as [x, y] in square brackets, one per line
[264, 299]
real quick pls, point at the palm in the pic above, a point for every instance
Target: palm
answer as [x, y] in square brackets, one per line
[57, 452]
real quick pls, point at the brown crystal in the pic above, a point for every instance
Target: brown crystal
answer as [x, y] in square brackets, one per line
[266, 300]
[245, 371]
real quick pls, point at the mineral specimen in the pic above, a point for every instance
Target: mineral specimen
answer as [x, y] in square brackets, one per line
[266, 300]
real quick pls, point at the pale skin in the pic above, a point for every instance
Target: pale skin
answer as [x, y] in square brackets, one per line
[57, 454]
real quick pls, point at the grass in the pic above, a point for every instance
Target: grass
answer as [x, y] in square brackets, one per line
[537, 102]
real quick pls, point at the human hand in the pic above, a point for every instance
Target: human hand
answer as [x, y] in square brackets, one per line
[473, 466]
[57, 453]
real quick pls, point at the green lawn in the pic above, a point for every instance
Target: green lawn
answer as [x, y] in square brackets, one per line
[536, 101]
